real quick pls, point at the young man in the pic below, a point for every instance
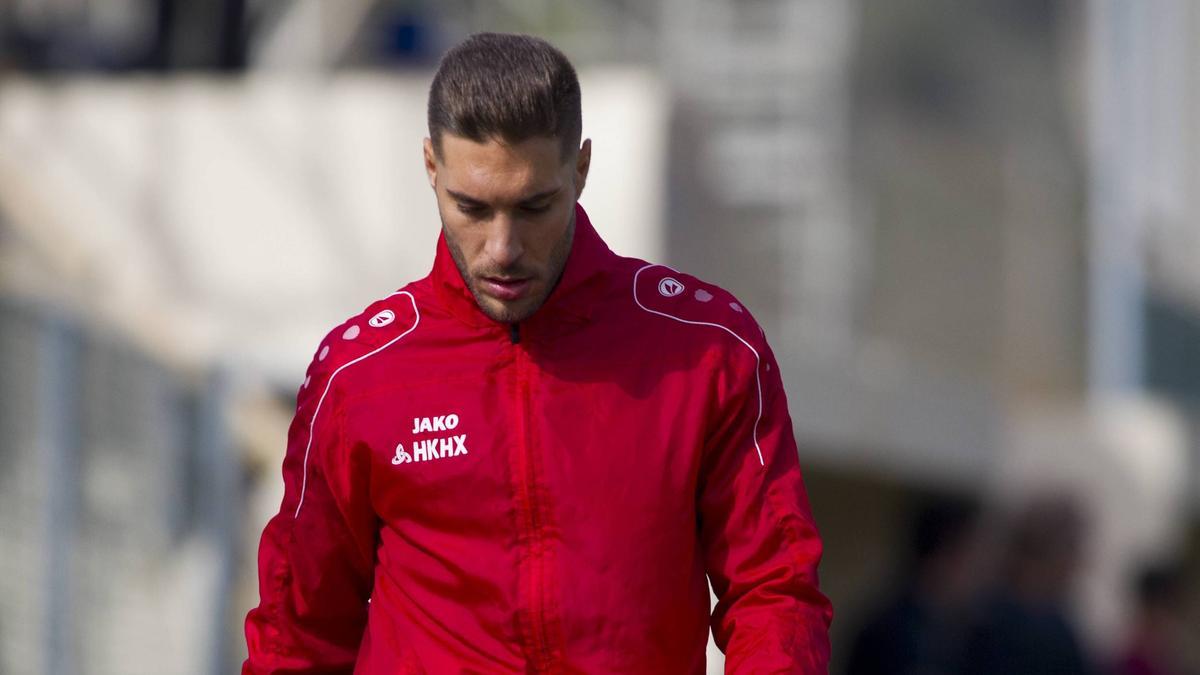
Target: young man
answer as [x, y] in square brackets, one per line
[529, 460]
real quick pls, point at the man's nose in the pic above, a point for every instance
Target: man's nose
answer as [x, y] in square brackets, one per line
[503, 245]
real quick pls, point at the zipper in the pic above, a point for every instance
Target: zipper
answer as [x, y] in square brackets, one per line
[539, 649]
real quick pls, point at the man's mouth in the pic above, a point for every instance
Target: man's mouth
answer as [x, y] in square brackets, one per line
[506, 288]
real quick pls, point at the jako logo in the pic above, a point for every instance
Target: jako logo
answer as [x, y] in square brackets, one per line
[433, 448]
[443, 423]
[670, 287]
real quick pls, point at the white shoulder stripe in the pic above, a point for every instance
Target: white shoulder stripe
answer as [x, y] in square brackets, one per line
[313, 422]
[757, 360]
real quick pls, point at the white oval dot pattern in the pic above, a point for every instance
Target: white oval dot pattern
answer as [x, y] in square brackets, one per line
[351, 332]
[702, 295]
[324, 353]
[382, 319]
[735, 307]
[307, 381]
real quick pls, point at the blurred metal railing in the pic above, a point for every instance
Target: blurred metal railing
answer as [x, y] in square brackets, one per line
[117, 504]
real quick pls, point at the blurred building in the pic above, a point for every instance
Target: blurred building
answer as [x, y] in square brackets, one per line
[968, 228]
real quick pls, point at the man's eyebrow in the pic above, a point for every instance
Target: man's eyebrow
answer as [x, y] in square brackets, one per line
[462, 197]
[545, 194]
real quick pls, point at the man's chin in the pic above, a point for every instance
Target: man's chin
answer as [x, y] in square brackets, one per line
[506, 312]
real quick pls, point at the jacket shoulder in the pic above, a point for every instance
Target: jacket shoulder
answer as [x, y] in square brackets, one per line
[378, 326]
[685, 299]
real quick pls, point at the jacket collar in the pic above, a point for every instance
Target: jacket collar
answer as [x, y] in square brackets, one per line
[568, 302]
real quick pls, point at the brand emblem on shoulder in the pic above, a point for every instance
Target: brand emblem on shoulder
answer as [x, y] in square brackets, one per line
[670, 287]
[382, 319]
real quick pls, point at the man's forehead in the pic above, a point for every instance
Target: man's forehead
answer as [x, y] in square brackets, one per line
[498, 171]
[485, 186]
[455, 151]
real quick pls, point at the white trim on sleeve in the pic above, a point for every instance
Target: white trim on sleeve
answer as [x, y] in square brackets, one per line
[313, 422]
[757, 360]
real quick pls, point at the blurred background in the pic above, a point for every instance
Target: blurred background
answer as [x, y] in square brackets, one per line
[970, 229]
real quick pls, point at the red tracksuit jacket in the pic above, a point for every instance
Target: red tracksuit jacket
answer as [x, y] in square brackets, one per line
[463, 496]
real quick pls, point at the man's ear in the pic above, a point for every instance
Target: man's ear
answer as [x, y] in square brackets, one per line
[430, 163]
[583, 162]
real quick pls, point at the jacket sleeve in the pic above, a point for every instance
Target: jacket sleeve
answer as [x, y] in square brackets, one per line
[316, 557]
[759, 539]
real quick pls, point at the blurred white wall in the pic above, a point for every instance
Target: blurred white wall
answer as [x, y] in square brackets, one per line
[236, 221]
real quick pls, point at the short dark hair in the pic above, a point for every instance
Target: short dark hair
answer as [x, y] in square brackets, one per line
[512, 87]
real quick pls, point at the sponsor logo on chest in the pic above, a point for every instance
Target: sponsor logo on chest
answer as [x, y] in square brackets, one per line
[438, 447]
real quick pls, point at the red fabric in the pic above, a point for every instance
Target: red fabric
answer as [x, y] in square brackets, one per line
[629, 442]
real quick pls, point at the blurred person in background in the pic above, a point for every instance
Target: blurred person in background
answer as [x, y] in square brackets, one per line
[529, 460]
[920, 631]
[1024, 625]
[1158, 642]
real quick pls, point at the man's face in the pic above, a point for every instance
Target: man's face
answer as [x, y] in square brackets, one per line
[508, 215]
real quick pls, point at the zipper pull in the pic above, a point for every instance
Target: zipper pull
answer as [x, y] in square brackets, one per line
[514, 333]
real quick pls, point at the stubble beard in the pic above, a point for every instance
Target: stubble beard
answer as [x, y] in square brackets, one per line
[497, 310]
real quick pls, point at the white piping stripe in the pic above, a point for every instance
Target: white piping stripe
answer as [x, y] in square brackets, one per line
[313, 423]
[757, 360]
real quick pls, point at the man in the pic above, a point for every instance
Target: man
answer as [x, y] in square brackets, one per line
[528, 460]
[920, 630]
[1024, 623]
